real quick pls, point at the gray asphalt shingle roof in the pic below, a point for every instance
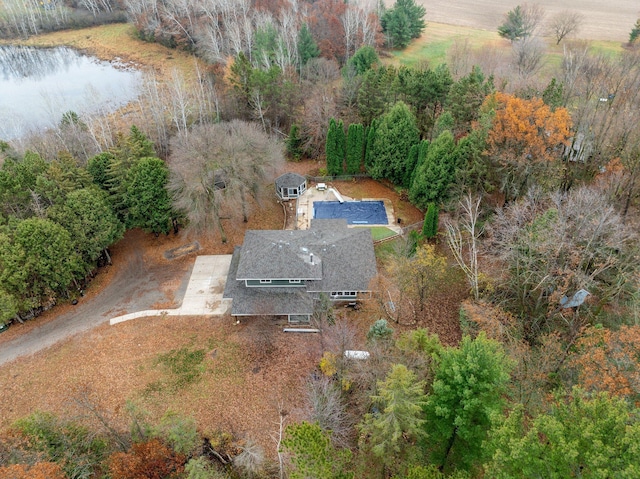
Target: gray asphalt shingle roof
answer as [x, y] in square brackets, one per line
[334, 256]
[343, 260]
[290, 180]
[263, 301]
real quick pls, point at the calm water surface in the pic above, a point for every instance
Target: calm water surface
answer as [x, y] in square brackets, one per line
[38, 85]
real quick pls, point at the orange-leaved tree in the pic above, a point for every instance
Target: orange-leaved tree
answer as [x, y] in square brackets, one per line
[147, 460]
[525, 140]
[608, 360]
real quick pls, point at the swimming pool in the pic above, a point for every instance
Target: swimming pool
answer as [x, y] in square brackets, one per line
[355, 212]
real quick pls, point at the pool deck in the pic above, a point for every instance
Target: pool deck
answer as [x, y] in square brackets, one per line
[304, 206]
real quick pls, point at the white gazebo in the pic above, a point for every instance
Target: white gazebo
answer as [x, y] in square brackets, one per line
[290, 185]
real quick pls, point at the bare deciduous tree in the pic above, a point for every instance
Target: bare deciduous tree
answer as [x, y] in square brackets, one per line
[215, 166]
[463, 240]
[319, 106]
[554, 246]
[251, 460]
[329, 410]
[528, 53]
[458, 57]
[564, 23]
[532, 17]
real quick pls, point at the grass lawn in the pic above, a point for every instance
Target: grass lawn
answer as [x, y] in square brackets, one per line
[431, 48]
[381, 232]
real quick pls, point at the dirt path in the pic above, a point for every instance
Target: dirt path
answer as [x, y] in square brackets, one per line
[134, 282]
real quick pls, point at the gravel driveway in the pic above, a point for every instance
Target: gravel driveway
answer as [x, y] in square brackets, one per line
[137, 285]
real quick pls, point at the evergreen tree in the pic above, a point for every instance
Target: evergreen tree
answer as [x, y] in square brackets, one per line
[294, 142]
[241, 72]
[133, 146]
[62, 176]
[467, 394]
[335, 147]
[87, 215]
[127, 152]
[363, 59]
[435, 174]
[147, 196]
[8, 307]
[395, 135]
[472, 173]
[425, 91]
[552, 94]
[341, 148]
[313, 455]
[635, 32]
[98, 167]
[265, 43]
[430, 226]
[392, 432]
[514, 26]
[375, 94]
[355, 148]
[465, 98]
[370, 137]
[403, 22]
[307, 46]
[412, 162]
[423, 148]
[580, 436]
[38, 263]
[18, 178]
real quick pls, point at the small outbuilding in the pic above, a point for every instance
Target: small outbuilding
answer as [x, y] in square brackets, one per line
[290, 185]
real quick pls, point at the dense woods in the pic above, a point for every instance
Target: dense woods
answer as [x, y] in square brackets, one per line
[529, 182]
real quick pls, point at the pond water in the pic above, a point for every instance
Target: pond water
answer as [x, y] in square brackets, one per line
[38, 85]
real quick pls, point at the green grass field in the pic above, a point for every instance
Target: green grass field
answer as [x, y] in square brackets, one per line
[432, 47]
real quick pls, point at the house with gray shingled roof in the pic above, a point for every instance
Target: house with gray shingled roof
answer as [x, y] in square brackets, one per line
[283, 272]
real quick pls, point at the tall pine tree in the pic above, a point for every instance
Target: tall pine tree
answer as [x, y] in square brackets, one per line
[335, 148]
[370, 136]
[307, 46]
[395, 135]
[430, 226]
[435, 174]
[467, 392]
[355, 148]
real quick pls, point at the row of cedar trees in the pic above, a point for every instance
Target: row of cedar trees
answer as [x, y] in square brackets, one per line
[347, 154]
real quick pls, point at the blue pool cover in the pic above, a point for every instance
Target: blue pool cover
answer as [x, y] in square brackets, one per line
[355, 212]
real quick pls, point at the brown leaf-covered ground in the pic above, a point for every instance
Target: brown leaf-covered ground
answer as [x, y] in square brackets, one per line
[252, 369]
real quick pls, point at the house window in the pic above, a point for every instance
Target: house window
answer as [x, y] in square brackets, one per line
[344, 294]
[293, 191]
[265, 281]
